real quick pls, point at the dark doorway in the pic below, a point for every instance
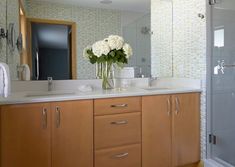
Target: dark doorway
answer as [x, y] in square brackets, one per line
[51, 51]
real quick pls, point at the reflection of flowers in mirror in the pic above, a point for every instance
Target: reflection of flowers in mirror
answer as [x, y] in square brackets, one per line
[112, 49]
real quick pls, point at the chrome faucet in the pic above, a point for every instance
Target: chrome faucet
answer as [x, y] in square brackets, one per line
[50, 83]
[152, 80]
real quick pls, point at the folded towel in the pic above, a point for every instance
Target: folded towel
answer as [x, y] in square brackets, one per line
[25, 72]
[125, 73]
[4, 80]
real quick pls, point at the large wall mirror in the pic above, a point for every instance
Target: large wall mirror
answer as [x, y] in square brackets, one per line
[54, 34]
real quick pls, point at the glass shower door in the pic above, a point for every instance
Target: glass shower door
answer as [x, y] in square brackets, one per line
[223, 82]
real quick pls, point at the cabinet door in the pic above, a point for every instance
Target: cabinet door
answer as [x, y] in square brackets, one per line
[25, 136]
[72, 134]
[156, 126]
[186, 129]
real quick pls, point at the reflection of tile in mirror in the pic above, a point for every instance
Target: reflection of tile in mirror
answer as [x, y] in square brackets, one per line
[94, 22]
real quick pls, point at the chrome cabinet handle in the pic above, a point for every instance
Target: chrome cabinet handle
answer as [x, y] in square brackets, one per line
[177, 103]
[57, 110]
[119, 122]
[122, 155]
[168, 107]
[119, 105]
[44, 118]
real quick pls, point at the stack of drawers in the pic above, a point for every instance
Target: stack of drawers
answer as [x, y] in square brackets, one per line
[117, 135]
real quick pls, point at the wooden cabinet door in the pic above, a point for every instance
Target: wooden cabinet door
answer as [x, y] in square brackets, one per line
[156, 127]
[186, 129]
[72, 134]
[25, 136]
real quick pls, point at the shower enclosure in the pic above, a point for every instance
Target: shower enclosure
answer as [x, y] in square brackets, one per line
[138, 35]
[222, 115]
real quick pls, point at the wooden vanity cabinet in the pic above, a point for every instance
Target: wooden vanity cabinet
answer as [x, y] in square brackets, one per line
[156, 131]
[185, 129]
[47, 134]
[117, 132]
[148, 131]
[72, 134]
[25, 135]
[170, 130]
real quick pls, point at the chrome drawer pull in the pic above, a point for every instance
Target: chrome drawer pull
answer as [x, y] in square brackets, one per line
[123, 155]
[44, 118]
[57, 117]
[119, 122]
[119, 105]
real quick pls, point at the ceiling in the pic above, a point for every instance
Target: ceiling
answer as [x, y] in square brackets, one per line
[126, 5]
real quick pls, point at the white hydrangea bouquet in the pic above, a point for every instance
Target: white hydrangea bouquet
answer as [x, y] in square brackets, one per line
[106, 53]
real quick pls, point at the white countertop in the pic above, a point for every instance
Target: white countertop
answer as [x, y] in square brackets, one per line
[21, 97]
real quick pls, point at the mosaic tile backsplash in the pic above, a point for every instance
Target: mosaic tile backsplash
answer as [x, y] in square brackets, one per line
[162, 38]
[12, 58]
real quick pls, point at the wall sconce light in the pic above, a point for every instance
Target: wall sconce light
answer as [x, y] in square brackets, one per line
[3, 34]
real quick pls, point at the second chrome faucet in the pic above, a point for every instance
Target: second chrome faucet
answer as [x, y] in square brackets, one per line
[50, 83]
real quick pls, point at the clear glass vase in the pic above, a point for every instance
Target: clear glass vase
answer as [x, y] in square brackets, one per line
[104, 71]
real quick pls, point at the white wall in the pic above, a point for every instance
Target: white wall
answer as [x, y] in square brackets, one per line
[130, 17]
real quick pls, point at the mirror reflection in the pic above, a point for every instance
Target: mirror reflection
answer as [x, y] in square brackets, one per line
[52, 36]
[51, 50]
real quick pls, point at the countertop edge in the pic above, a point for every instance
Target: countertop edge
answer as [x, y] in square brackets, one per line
[139, 92]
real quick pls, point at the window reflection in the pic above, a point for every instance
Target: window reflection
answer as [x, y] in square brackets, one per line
[219, 38]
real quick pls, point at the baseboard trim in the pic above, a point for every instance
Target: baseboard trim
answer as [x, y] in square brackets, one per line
[198, 164]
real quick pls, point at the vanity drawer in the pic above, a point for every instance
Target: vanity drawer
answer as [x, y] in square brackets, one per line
[127, 156]
[117, 130]
[117, 105]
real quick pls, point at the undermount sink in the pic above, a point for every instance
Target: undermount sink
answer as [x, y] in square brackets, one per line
[52, 93]
[155, 88]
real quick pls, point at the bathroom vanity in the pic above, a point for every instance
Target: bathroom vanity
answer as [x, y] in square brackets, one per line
[141, 128]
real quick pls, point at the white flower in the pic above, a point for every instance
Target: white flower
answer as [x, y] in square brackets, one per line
[115, 42]
[85, 54]
[100, 48]
[127, 50]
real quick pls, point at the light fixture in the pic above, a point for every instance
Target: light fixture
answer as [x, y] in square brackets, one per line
[106, 2]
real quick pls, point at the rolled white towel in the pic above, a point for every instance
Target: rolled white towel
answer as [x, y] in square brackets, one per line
[25, 72]
[5, 84]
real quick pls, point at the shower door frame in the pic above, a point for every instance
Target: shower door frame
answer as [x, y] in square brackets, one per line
[209, 52]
